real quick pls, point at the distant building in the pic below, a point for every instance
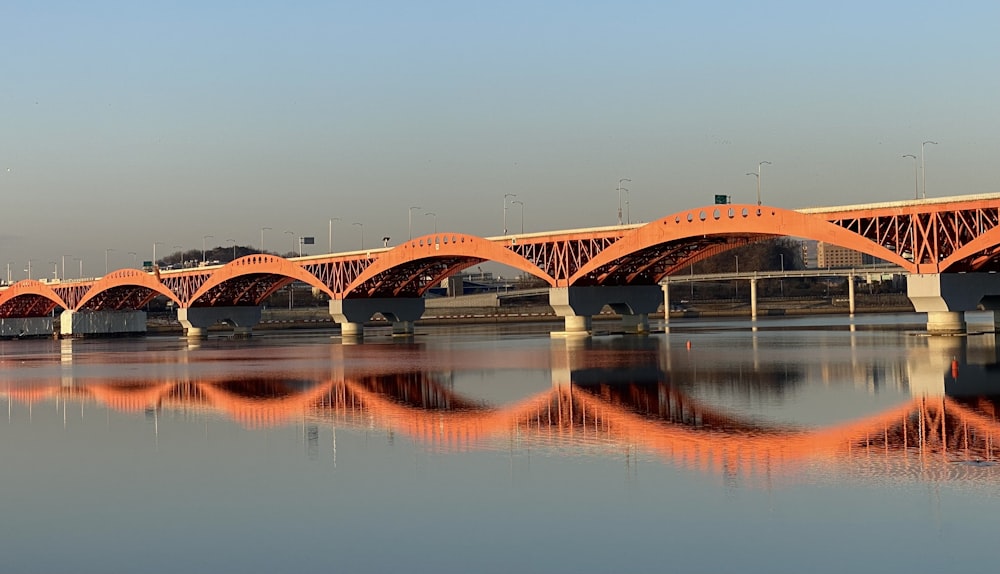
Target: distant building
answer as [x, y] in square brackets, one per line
[829, 256]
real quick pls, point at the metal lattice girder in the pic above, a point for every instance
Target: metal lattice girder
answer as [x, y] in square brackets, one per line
[923, 236]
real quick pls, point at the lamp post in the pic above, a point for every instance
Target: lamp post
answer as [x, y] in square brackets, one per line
[180, 254]
[521, 203]
[758, 178]
[155, 243]
[133, 254]
[28, 270]
[620, 198]
[64, 266]
[233, 241]
[106, 251]
[409, 219]
[362, 226]
[330, 240]
[628, 207]
[203, 238]
[80, 259]
[923, 172]
[737, 276]
[55, 270]
[781, 282]
[435, 216]
[505, 196]
[262, 237]
[916, 176]
[292, 234]
[8, 272]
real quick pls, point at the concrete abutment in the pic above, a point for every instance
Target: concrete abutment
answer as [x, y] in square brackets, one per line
[578, 305]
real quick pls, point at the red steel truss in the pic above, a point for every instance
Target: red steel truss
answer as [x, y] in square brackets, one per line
[945, 235]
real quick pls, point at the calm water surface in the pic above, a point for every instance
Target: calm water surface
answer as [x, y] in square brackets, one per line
[806, 445]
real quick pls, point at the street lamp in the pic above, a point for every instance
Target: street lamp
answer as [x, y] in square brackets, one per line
[362, 226]
[28, 270]
[409, 219]
[155, 243]
[435, 216]
[133, 254]
[262, 237]
[203, 238]
[234, 247]
[64, 266]
[80, 259]
[106, 251]
[916, 176]
[55, 270]
[180, 254]
[330, 243]
[620, 198]
[521, 203]
[758, 178]
[292, 234]
[505, 196]
[923, 172]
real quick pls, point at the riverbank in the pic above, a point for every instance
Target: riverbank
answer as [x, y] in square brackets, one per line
[457, 311]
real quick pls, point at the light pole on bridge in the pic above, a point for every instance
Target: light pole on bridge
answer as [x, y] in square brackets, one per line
[203, 238]
[64, 266]
[262, 229]
[923, 172]
[55, 270]
[134, 256]
[330, 241]
[155, 243]
[80, 259]
[916, 176]
[620, 198]
[362, 226]
[758, 178]
[106, 267]
[28, 270]
[409, 219]
[233, 241]
[292, 234]
[505, 196]
[521, 203]
[435, 216]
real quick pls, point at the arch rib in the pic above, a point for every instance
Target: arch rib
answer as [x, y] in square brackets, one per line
[260, 264]
[124, 278]
[449, 245]
[742, 220]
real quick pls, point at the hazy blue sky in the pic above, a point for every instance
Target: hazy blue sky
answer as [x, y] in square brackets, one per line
[128, 123]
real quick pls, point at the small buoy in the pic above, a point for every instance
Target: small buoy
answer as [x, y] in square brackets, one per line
[689, 345]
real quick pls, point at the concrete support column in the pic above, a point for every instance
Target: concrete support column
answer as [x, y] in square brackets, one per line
[353, 330]
[352, 314]
[101, 323]
[945, 297]
[666, 301]
[638, 323]
[577, 305]
[945, 321]
[197, 320]
[753, 298]
[850, 293]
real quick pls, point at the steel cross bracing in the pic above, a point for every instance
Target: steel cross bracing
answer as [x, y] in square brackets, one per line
[933, 237]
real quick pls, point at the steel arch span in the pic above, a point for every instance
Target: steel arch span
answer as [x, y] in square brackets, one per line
[29, 298]
[249, 280]
[647, 254]
[123, 289]
[411, 268]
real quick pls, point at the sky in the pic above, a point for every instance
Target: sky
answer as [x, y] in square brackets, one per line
[183, 124]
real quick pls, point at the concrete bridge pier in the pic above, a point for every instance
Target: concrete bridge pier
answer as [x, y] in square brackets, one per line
[197, 320]
[101, 323]
[578, 305]
[13, 328]
[946, 297]
[352, 314]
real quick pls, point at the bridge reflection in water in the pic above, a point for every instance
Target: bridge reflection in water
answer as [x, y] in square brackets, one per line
[615, 398]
